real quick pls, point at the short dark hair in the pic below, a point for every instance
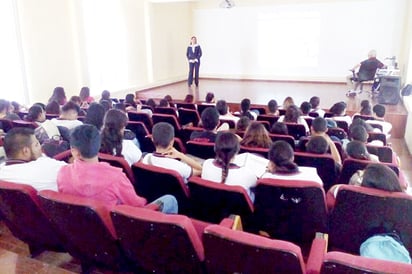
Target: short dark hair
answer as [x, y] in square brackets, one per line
[319, 124]
[95, 114]
[243, 123]
[162, 134]
[381, 177]
[305, 107]
[86, 139]
[71, 106]
[359, 133]
[281, 154]
[105, 95]
[338, 108]
[317, 144]
[379, 110]
[209, 97]
[163, 103]
[221, 107]
[245, 105]
[4, 105]
[210, 118]
[16, 139]
[279, 128]
[272, 106]
[34, 112]
[357, 150]
[314, 101]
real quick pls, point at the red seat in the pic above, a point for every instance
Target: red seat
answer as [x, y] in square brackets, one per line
[21, 212]
[232, 251]
[290, 210]
[21, 123]
[377, 136]
[231, 123]
[186, 105]
[384, 153]
[141, 117]
[202, 107]
[87, 228]
[153, 182]
[117, 162]
[141, 131]
[296, 130]
[177, 144]
[171, 119]
[343, 125]
[204, 150]
[287, 138]
[6, 124]
[358, 211]
[212, 202]
[158, 242]
[166, 110]
[186, 132]
[187, 116]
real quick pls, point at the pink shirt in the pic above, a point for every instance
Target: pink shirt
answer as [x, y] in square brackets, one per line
[99, 181]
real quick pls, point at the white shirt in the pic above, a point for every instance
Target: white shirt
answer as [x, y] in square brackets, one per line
[305, 174]
[160, 161]
[70, 124]
[40, 174]
[130, 152]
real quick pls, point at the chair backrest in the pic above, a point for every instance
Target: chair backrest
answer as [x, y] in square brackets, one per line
[377, 136]
[117, 162]
[187, 116]
[186, 132]
[350, 166]
[309, 121]
[267, 117]
[339, 262]
[63, 156]
[231, 123]
[202, 107]
[384, 153]
[141, 117]
[6, 124]
[262, 110]
[168, 118]
[21, 212]
[204, 150]
[158, 242]
[141, 131]
[166, 110]
[87, 228]
[337, 132]
[153, 182]
[177, 144]
[290, 210]
[324, 164]
[363, 117]
[358, 211]
[212, 202]
[343, 125]
[287, 138]
[296, 130]
[256, 150]
[232, 251]
[21, 123]
[313, 114]
[186, 105]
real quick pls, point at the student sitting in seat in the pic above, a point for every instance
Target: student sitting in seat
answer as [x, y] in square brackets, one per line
[210, 121]
[68, 117]
[379, 115]
[256, 135]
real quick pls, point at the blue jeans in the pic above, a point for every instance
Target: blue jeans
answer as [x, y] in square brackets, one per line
[168, 204]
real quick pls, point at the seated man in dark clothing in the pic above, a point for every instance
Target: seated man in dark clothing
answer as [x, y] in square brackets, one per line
[210, 120]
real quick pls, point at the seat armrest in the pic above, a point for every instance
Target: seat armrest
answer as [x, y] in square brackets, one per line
[227, 222]
[317, 252]
[152, 206]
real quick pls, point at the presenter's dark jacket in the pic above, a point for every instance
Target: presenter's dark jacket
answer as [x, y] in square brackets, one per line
[194, 55]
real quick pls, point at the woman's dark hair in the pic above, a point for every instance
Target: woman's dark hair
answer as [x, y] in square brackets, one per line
[243, 123]
[209, 97]
[164, 103]
[338, 109]
[256, 135]
[281, 154]
[106, 95]
[58, 95]
[279, 128]
[112, 137]
[34, 113]
[84, 93]
[189, 98]
[151, 103]
[272, 106]
[16, 106]
[226, 147]
[129, 100]
[292, 114]
[53, 108]
[381, 177]
[95, 115]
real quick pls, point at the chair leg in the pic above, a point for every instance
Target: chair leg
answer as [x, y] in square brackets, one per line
[35, 250]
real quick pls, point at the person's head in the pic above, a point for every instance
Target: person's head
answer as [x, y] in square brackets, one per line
[36, 114]
[305, 107]
[292, 114]
[272, 106]
[365, 104]
[226, 147]
[319, 125]
[106, 95]
[95, 114]
[84, 93]
[379, 110]
[357, 150]
[366, 108]
[107, 104]
[245, 105]
[381, 177]
[256, 135]
[288, 102]
[114, 124]
[360, 122]
[70, 111]
[129, 99]
[21, 144]
[53, 108]
[317, 144]
[281, 158]
[76, 99]
[222, 107]
[4, 106]
[314, 102]
[169, 98]
[338, 109]
[16, 106]
[243, 123]
[164, 103]
[85, 142]
[193, 40]
[358, 133]
[163, 135]
[210, 118]
[59, 95]
[189, 98]
[279, 128]
[372, 54]
[210, 97]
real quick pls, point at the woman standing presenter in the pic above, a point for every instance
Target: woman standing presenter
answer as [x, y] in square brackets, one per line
[193, 54]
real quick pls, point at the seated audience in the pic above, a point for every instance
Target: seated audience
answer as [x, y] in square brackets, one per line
[85, 97]
[16, 108]
[293, 115]
[256, 135]
[273, 108]
[78, 101]
[379, 115]
[164, 103]
[224, 113]
[288, 102]
[5, 111]
[245, 110]
[366, 108]
[59, 96]
[169, 99]
[338, 111]
[357, 150]
[305, 108]
[113, 141]
[46, 129]
[281, 165]
[167, 156]
[95, 115]
[209, 99]
[279, 128]
[242, 124]
[106, 96]
[319, 145]
[87, 177]
[222, 170]
[315, 102]
[25, 163]
[68, 116]
[189, 99]
[151, 103]
[129, 101]
[52, 108]
[381, 177]
[210, 121]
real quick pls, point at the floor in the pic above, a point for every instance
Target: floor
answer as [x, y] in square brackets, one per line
[13, 252]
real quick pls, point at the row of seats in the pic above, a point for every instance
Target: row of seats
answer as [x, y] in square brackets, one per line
[125, 238]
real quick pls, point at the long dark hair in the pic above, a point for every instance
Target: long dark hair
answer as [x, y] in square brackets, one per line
[281, 154]
[112, 136]
[226, 147]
